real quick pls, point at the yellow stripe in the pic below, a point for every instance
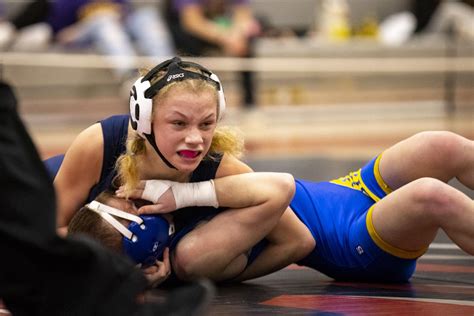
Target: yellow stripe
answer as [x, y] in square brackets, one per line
[378, 177]
[354, 181]
[405, 254]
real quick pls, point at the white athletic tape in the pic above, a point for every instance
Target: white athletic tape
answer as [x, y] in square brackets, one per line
[154, 189]
[185, 194]
[195, 194]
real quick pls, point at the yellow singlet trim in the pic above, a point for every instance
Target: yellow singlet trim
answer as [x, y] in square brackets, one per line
[378, 177]
[367, 190]
[405, 254]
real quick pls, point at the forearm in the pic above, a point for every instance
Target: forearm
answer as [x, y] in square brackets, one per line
[243, 20]
[250, 189]
[215, 248]
[271, 189]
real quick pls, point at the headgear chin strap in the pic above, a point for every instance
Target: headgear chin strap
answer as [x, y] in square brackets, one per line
[142, 93]
[145, 238]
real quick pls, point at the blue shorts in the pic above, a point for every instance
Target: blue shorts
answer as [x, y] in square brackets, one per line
[339, 215]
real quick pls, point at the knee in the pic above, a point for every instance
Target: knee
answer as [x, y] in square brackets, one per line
[306, 245]
[433, 199]
[185, 260]
[447, 148]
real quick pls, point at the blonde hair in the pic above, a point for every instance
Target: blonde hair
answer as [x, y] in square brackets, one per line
[226, 140]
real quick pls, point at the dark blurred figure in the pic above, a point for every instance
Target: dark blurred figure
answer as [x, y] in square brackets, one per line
[436, 16]
[228, 26]
[425, 17]
[43, 274]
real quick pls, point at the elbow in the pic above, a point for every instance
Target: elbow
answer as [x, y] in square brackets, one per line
[290, 184]
[286, 185]
[280, 192]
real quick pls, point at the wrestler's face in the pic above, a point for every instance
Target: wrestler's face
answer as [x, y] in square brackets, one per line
[184, 124]
[122, 204]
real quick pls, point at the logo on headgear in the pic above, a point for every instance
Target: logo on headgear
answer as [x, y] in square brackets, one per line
[176, 76]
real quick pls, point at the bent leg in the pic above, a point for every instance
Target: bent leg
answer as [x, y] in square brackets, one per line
[440, 155]
[217, 246]
[408, 219]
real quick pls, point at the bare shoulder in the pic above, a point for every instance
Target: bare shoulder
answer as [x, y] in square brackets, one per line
[231, 165]
[90, 140]
[85, 153]
[79, 172]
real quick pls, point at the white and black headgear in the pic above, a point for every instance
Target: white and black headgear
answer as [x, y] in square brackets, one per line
[143, 91]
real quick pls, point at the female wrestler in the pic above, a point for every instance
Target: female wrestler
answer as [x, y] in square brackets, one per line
[373, 224]
[172, 135]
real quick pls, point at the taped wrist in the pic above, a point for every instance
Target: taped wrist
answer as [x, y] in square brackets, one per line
[195, 194]
[154, 189]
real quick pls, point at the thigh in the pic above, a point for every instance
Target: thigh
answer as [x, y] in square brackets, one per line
[399, 223]
[440, 155]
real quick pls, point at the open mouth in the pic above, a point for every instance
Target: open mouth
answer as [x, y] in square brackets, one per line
[189, 153]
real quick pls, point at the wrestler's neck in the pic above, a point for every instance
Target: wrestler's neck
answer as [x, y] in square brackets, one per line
[153, 167]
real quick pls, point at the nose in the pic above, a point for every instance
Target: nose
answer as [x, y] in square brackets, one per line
[194, 137]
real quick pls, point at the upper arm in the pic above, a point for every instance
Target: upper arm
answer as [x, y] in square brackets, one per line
[79, 172]
[230, 165]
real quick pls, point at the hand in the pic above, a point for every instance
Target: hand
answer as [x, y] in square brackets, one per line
[159, 272]
[69, 35]
[235, 45]
[166, 203]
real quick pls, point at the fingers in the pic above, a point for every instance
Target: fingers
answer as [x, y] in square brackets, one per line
[152, 209]
[166, 259]
[131, 194]
[159, 272]
[151, 269]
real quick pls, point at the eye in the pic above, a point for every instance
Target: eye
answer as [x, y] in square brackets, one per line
[179, 123]
[207, 124]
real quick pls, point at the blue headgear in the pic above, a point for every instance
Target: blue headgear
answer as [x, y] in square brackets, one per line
[145, 238]
[143, 91]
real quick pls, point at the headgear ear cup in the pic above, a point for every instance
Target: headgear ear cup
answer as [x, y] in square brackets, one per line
[141, 107]
[145, 238]
[152, 237]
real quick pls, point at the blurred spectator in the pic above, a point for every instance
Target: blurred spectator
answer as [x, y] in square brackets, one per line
[445, 16]
[7, 30]
[109, 26]
[200, 26]
[430, 17]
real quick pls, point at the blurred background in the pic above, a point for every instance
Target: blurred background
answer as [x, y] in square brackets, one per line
[333, 83]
